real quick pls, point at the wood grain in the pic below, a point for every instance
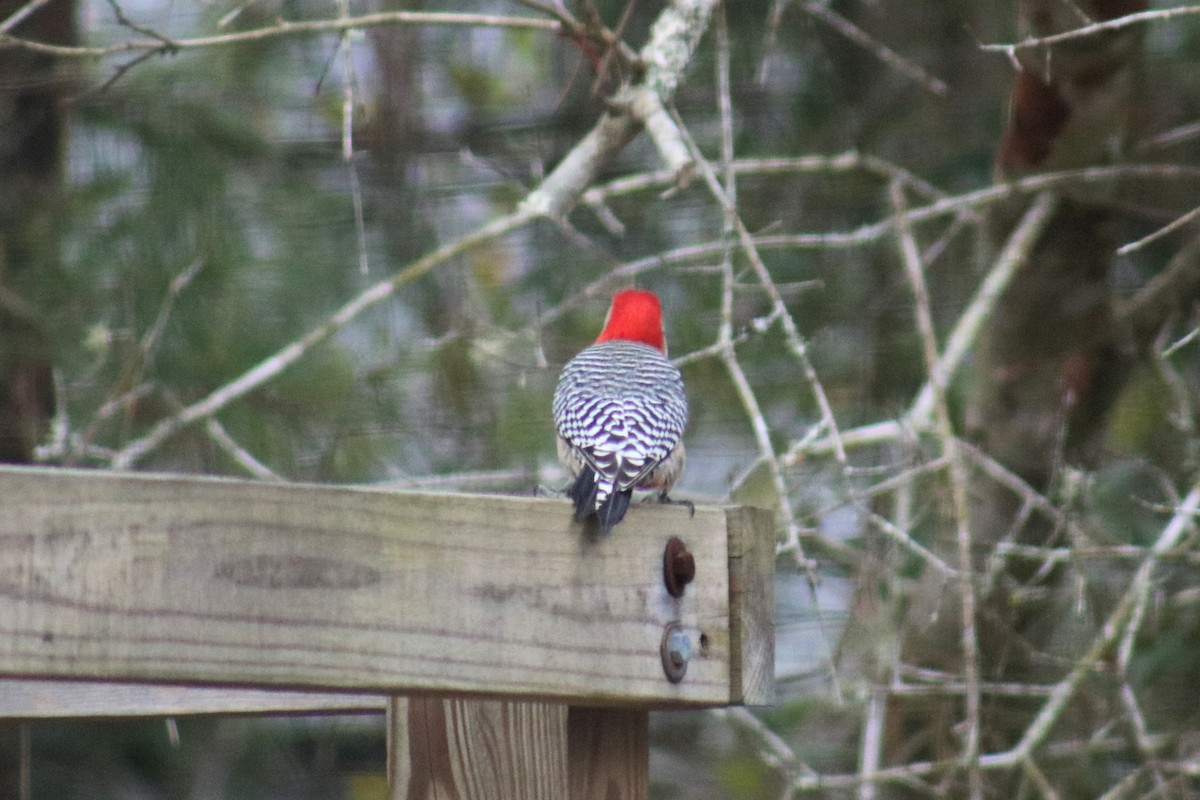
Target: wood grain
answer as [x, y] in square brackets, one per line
[497, 750]
[43, 699]
[608, 753]
[752, 606]
[476, 750]
[165, 579]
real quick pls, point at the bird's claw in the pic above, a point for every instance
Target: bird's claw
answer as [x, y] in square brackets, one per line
[691, 507]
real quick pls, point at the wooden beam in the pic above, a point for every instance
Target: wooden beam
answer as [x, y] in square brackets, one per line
[752, 603]
[201, 581]
[44, 699]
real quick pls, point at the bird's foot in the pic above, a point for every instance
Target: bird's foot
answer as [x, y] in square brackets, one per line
[663, 499]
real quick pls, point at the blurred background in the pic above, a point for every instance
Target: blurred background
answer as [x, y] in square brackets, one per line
[171, 218]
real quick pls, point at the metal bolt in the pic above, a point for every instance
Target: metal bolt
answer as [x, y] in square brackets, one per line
[679, 566]
[676, 651]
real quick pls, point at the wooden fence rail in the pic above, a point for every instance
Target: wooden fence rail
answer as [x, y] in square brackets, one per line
[242, 597]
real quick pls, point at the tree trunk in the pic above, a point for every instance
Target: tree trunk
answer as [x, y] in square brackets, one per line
[32, 148]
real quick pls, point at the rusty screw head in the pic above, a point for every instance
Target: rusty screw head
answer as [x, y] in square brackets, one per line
[676, 651]
[679, 567]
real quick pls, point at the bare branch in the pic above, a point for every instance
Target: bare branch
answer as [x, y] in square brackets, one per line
[1144, 313]
[240, 455]
[178, 284]
[912, 545]
[356, 197]
[871, 747]
[1119, 23]
[279, 29]
[20, 15]
[915, 272]
[673, 40]
[776, 751]
[1165, 230]
[971, 321]
[888, 56]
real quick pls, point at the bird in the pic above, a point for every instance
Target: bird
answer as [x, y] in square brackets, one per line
[620, 411]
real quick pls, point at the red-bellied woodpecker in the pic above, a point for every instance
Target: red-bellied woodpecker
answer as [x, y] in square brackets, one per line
[620, 411]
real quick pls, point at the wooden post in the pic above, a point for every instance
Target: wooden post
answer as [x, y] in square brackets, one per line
[502, 750]
[608, 753]
[467, 749]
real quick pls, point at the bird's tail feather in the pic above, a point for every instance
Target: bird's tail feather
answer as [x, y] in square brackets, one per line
[612, 509]
[583, 492]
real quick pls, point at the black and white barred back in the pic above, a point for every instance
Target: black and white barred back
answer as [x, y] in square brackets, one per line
[620, 411]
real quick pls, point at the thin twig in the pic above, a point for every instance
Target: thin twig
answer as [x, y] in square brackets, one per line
[1069, 750]
[850, 161]
[20, 15]
[356, 196]
[167, 44]
[1141, 733]
[1016, 251]
[1116, 552]
[1144, 313]
[1182, 341]
[574, 28]
[960, 688]
[1018, 486]
[715, 350]
[943, 205]
[1039, 779]
[1116, 24]
[1122, 788]
[758, 423]
[180, 282]
[279, 29]
[774, 748]
[912, 545]
[1183, 416]
[112, 406]
[240, 455]
[1165, 230]
[120, 72]
[1168, 138]
[888, 56]
[915, 271]
[774, 21]
[871, 748]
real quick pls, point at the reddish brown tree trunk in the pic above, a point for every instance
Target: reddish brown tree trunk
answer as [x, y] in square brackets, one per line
[32, 149]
